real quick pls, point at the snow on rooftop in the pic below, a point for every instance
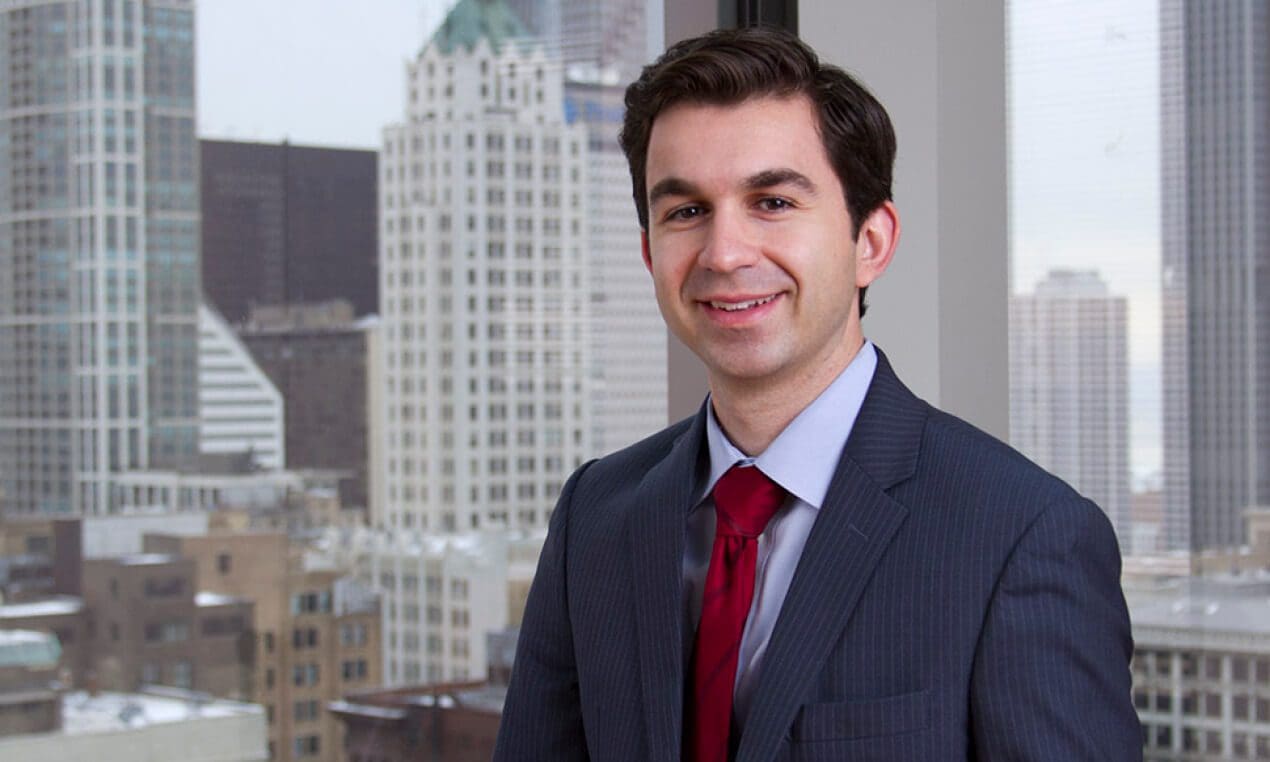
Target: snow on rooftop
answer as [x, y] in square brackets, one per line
[60, 605]
[366, 710]
[146, 559]
[108, 712]
[205, 598]
[23, 637]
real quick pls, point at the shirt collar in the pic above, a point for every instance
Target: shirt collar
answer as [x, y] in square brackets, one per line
[804, 456]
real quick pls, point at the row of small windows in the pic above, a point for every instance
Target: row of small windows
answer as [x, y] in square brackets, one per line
[497, 465]
[552, 305]
[498, 438]
[522, 142]
[494, 331]
[494, 250]
[494, 277]
[494, 385]
[1195, 665]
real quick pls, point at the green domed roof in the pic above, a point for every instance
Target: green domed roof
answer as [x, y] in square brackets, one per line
[471, 20]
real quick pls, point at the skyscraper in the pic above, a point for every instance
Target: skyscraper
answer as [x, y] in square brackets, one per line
[483, 274]
[1069, 387]
[99, 274]
[240, 408]
[603, 44]
[1215, 144]
[286, 224]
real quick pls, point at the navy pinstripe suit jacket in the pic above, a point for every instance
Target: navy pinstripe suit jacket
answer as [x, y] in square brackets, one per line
[953, 602]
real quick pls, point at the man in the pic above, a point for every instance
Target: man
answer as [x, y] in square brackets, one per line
[818, 565]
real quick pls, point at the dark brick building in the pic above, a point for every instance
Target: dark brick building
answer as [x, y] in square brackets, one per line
[456, 722]
[318, 357]
[284, 224]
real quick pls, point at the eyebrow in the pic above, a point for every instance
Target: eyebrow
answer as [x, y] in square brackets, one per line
[768, 178]
[670, 186]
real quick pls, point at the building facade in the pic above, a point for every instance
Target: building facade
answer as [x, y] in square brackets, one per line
[319, 356]
[241, 410]
[286, 224]
[1069, 388]
[484, 270]
[1201, 668]
[1215, 146]
[457, 722]
[317, 633]
[442, 595]
[153, 626]
[99, 276]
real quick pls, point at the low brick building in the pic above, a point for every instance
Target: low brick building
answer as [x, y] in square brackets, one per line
[455, 722]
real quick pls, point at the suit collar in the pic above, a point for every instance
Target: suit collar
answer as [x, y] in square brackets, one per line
[854, 528]
[886, 439]
[658, 516]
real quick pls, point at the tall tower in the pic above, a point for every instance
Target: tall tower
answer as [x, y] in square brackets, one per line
[1215, 144]
[99, 274]
[1069, 387]
[483, 273]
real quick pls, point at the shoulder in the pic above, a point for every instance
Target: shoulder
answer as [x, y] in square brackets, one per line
[625, 468]
[975, 470]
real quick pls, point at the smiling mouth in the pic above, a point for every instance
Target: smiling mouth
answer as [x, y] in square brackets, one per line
[739, 306]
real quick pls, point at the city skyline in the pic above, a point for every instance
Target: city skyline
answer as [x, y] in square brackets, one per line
[1084, 204]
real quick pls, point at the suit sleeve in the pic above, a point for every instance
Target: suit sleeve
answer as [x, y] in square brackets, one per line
[1051, 678]
[542, 715]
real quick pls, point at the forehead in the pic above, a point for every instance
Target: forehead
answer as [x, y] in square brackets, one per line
[700, 141]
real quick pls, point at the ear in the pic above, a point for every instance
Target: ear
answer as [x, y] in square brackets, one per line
[643, 245]
[875, 243]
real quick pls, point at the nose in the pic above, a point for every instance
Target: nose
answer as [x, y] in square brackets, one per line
[729, 243]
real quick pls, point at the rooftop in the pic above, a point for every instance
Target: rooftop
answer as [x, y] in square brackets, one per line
[61, 605]
[147, 559]
[26, 648]
[473, 20]
[109, 712]
[1238, 605]
[204, 598]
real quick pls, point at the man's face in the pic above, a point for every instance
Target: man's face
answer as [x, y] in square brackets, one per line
[750, 243]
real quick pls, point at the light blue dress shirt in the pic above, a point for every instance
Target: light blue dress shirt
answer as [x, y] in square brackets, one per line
[802, 459]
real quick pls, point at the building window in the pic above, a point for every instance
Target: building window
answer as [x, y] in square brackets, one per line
[223, 562]
[306, 746]
[310, 603]
[183, 674]
[172, 631]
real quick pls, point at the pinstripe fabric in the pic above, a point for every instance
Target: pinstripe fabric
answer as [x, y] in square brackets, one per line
[953, 602]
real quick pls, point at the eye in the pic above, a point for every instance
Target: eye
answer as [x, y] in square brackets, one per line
[684, 213]
[775, 204]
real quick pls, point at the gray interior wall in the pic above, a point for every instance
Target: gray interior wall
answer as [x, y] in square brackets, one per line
[940, 311]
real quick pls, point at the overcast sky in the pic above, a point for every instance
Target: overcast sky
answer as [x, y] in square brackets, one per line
[321, 72]
[1084, 124]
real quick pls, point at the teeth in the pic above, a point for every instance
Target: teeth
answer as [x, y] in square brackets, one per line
[737, 306]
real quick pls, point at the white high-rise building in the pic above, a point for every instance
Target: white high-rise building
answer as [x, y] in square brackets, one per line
[99, 269]
[240, 409]
[604, 44]
[441, 596]
[483, 283]
[1069, 387]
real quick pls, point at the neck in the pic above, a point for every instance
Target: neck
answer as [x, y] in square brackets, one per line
[753, 412]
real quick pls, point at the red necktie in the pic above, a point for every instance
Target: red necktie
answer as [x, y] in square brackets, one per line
[744, 501]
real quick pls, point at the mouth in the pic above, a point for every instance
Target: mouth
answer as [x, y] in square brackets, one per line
[741, 306]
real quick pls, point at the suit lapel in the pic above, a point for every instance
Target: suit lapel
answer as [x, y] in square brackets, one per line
[657, 525]
[851, 533]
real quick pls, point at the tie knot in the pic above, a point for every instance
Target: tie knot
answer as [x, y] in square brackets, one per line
[745, 499]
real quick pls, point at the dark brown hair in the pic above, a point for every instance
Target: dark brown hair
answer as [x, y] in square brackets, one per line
[729, 66]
